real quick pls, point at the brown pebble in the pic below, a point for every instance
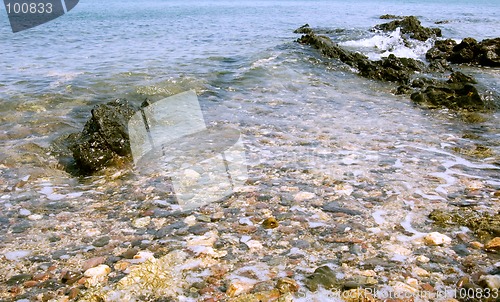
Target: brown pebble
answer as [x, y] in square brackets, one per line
[41, 277]
[427, 287]
[93, 262]
[464, 280]
[121, 265]
[207, 290]
[270, 223]
[130, 253]
[287, 285]
[245, 229]
[493, 244]
[497, 193]
[73, 293]
[30, 283]
[476, 245]
[70, 277]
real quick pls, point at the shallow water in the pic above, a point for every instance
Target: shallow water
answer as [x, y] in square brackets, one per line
[306, 120]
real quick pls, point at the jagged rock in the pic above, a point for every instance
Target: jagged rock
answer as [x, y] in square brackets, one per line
[441, 49]
[456, 93]
[469, 51]
[304, 29]
[388, 16]
[104, 137]
[391, 69]
[330, 49]
[411, 25]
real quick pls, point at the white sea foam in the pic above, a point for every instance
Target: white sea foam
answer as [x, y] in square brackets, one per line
[382, 45]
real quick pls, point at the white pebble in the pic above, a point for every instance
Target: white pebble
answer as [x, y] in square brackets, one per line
[141, 222]
[96, 275]
[492, 281]
[422, 259]
[436, 238]
[24, 212]
[302, 196]
[34, 217]
[17, 255]
[254, 245]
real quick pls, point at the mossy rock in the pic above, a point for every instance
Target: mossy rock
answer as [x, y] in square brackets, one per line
[484, 225]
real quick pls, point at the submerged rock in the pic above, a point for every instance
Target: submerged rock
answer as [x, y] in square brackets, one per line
[323, 276]
[482, 224]
[104, 137]
[411, 25]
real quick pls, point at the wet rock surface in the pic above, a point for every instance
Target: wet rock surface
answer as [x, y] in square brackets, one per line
[410, 25]
[104, 138]
[458, 92]
[392, 68]
[468, 51]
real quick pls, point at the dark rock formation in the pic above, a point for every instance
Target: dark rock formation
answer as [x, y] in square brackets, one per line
[388, 16]
[469, 51]
[391, 69]
[455, 93]
[104, 137]
[411, 25]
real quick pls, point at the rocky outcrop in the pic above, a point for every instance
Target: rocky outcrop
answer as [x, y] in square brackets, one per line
[458, 92]
[391, 69]
[410, 25]
[104, 138]
[469, 51]
[455, 93]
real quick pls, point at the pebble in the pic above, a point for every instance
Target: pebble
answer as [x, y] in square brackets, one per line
[20, 227]
[93, 262]
[24, 212]
[422, 259]
[323, 276]
[198, 229]
[19, 279]
[303, 196]
[301, 244]
[238, 287]
[400, 287]
[203, 218]
[420, 272]
[491, 281]
[130, 253]
[254, 245]
[34, 217]
[190, 220]
[436, 238]
[141, 222]
[287, 285]
[96, 275]
[102, 241]
[270, 223]
[476, 245]
[493, 244]
[17, 255]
